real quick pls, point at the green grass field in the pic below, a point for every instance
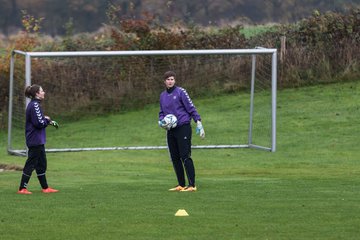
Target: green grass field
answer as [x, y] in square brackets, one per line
[308, 189]
[251, 31]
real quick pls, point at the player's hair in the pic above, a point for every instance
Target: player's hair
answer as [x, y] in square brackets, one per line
[30, 91]
[169, 74]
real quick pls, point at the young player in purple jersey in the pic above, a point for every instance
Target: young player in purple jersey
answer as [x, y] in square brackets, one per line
[35, 125]
[175, 100]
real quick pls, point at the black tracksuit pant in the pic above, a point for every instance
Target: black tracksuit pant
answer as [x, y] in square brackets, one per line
[36, 161]
[179, 143]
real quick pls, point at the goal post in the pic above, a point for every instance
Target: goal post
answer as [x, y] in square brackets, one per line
[106, 83]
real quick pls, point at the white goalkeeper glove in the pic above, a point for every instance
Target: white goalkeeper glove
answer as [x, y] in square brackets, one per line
[163, 124]
[54, 124]
[200, 129]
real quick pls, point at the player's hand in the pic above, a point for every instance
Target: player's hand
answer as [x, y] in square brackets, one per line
[163, 124]
[54, 124]
[200, 129]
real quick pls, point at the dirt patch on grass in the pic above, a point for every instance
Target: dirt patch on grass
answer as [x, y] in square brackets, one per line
[9, 167]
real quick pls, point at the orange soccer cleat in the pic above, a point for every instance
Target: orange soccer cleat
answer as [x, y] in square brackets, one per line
[189, 189]
[49, 190]
[24, 191]
[176, 189]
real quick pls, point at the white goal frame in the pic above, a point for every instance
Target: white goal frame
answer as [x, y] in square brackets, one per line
[253, 52]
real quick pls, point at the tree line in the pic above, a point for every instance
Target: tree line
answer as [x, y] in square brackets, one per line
[89, 16]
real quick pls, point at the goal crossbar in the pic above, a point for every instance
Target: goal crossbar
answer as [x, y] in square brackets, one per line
[147, 52]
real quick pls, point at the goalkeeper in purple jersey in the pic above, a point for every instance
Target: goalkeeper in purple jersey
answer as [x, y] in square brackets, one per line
[175, 100]
[35, 125]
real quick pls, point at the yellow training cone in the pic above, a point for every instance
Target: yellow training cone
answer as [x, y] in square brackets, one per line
[181, 213]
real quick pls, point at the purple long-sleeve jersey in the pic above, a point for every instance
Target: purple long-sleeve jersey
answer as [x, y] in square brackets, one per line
[35, 124]
[177, 101]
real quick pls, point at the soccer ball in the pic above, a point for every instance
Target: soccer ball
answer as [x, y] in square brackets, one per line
[171, 121]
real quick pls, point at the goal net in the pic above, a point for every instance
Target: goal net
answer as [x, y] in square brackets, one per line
[88, 93]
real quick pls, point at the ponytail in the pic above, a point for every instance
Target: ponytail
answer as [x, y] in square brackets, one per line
[30, 91]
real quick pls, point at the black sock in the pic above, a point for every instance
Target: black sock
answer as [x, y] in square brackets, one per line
[42, 180]
[24, 181]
